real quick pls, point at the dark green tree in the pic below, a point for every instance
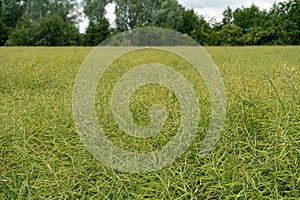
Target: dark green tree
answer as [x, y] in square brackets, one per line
[66, 9]
[274, 35]
[227, 16]
[202, 31]
[12, 11]
[286, 15]
[50, 31]
[230, 35]
[246, 18]
[169, 15]
[95, 9]
[22, 34]
[160, 13]
[54, 31]
[96, 33]
[3, 33]
[72, 36]
[37, 9]
[133, 13]
[190, 21]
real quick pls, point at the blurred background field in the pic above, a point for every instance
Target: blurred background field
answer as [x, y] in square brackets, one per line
[257, 156]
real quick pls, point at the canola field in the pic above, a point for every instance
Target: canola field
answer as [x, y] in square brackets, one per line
[257, 155]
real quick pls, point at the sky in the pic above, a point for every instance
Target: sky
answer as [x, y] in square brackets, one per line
[207, 8]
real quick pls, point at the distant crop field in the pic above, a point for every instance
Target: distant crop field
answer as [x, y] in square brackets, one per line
[257, 155]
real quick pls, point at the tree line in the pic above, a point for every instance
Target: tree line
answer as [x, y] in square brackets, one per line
[56, 22]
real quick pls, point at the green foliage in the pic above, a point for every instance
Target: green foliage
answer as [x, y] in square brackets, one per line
[229, 35]
[95, 9]
[169, 15]
[50, 31]
[3, 33]
[135, 13]
[53, 31]
[23, 34]
[96, 33]
[11, 12]
[243, 26]
[286, 15]
[36, 9]
[40, 22]
[274, 35]
[190, 21]
[64, 8]
[227, 16]
[246, 18]
[200, 35]
[279, 26]
[201, 31]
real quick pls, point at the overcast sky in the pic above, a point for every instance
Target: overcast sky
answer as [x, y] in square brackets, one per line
[208, 8]
[215, 8]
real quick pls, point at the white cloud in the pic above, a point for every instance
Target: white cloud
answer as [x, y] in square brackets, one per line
[214, 9]
[110, 15]
[224, 3]
[210, 13]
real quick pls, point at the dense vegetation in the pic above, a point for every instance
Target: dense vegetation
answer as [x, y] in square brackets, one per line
[257, 156]
[55, 22]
